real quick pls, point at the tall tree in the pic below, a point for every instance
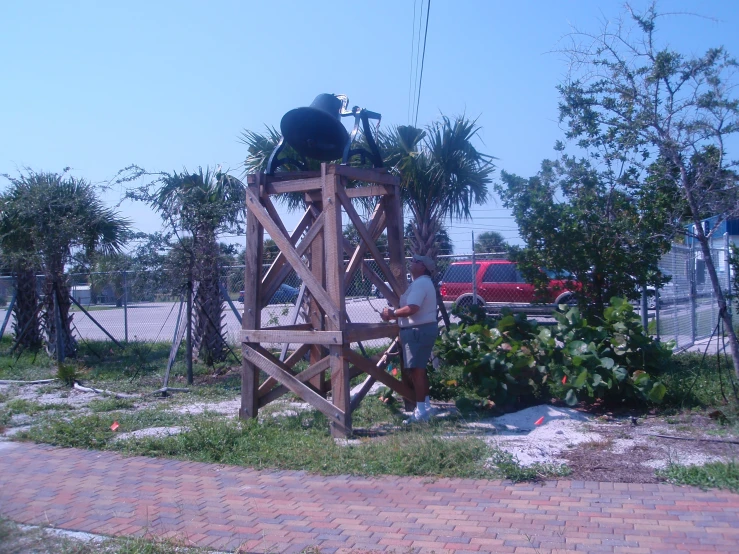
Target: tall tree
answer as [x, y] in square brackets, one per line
[199, 206]
[46, 217]
[442, 174]
[628, 99]
[490, 241]
[606, 234]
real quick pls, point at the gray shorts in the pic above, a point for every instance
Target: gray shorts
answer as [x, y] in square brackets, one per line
[417, 343]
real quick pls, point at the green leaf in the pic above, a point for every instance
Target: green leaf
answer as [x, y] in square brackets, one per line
[607, 363]
[577, 348]
[620, 373]
[657, 393]
[571, 398]
[582, 378]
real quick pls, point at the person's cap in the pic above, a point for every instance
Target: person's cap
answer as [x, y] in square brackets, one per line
[427, 262]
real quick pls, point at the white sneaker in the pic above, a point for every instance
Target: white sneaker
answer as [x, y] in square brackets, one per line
[417, 417]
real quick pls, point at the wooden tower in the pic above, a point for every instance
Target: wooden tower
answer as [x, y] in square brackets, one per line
[315, 250]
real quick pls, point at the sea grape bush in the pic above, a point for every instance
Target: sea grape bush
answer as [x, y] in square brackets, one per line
[510, 358]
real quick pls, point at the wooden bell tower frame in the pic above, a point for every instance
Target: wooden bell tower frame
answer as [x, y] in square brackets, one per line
[315, 250]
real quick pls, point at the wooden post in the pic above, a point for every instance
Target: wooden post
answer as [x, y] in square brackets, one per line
[316, 315]
[334, 268]
[252, 308]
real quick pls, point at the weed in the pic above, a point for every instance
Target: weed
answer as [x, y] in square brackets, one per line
[67, 374]
[717, 475]
[110, 404]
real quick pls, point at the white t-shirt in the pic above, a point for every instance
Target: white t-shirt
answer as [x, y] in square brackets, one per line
[422, 293]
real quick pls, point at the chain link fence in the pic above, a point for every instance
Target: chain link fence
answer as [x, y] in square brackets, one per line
[144, 306]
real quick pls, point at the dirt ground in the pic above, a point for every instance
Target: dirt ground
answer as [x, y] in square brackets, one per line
[621, 447]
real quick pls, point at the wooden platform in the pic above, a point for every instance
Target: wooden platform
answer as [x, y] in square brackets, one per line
[317, 251]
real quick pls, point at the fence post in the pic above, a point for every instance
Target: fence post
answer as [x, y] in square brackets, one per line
[656, 311]
[644, 308]
[727, 267]
[188, 344]
[693, 293]
[125, 306]
[474, 272]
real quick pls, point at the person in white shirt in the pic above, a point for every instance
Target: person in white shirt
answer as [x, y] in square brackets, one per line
[416, 317]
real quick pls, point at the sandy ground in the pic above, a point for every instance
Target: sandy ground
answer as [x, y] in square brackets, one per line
[605, 447]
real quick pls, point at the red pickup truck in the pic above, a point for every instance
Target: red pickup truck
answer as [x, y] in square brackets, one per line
[497, 281]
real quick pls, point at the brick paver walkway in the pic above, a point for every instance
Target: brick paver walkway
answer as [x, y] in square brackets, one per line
[227, 508]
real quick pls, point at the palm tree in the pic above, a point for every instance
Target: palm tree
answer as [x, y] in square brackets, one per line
[47, 217]
[442, 175]
[202, 205]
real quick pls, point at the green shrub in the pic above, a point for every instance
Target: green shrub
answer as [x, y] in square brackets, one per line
[514, 359]
[67, 374]
[614, 360]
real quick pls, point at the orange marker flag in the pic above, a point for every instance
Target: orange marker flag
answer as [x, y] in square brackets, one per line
[115, 426]
[539, 421]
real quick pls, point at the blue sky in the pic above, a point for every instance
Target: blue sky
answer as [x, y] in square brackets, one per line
[99, 85]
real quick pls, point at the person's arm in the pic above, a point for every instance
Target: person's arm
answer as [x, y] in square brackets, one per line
[403, 311]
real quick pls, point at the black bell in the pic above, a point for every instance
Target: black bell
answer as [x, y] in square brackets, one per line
[316, 131]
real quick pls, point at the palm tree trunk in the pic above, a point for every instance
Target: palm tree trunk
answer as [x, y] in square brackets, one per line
[56, 286]
[27, 325]
[209, 344]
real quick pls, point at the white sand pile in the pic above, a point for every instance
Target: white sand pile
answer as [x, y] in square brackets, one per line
[518, 433]
[157, 432]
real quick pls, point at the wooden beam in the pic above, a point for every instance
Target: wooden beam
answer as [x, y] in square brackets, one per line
[367, 385]
[315, 315]
[376, 226]
[334, 268]
[300, 185]
[369, 241]
[297, 355]
[272, 281]
[293, 337]
[366, 175]
[369, 190]
[356, 332]
[251, 318]
[294, 327]
[268, 285]
[294, 358]
[354, 192]
[283, 176]
[291, 382]
[386, 291]
[380, 374]
[293, 258]
[304, 376]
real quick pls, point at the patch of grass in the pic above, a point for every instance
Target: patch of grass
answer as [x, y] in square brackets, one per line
[15, 539]
[716, 475]
[693, 382]
[93, 431]
[373, 412]
[110, 404]
[22, 406]
[303, 443]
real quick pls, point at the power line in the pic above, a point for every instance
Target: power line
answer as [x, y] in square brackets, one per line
[418, 52]
[423, 59]
[410, 73]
